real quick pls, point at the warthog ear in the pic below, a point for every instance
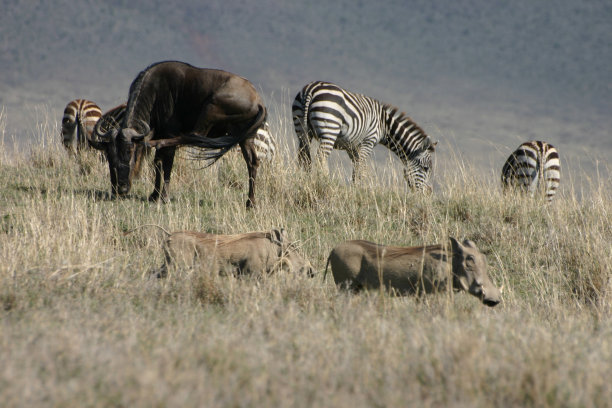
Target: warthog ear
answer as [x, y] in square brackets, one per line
[470, 244]
[278, 237]
[458, 251]
[456, 246]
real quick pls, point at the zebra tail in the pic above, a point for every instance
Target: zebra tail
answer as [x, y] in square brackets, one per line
[306, 105]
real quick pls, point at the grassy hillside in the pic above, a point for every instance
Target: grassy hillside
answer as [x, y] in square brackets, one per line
[473, 71]
[81, 323]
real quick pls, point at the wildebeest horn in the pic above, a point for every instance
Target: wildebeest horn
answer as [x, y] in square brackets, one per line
[99, 140]
[134, 136]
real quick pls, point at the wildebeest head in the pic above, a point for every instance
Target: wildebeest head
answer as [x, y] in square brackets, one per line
[417, 171]
[289, 257]
[470, 272]
[118, 146]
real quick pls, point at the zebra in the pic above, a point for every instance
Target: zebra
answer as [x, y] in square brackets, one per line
[534, 167]
[265, 143]
[355, 123]
[80, 117]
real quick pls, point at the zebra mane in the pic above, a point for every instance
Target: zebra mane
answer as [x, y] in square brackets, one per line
[404, 136]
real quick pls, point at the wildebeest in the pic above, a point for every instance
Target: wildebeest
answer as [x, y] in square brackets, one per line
[248, 253]
[171, 104]
[413, 270]
[111, 120]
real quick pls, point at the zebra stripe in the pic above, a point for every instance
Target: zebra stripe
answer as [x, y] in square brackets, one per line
[534, 167]
[265, 144]
[264, 141]
[356, 123]
[80, 117]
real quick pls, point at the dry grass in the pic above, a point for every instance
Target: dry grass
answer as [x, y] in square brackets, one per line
[83, 325]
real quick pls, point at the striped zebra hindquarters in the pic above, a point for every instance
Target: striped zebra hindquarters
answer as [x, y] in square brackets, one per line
[265, 149]
[533, 168]
[80, 117]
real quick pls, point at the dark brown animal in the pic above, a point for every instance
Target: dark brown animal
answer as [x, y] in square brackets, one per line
[413, 270]
[172, 104]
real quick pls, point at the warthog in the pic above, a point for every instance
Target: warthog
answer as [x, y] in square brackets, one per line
[413, 270]
[252, 252]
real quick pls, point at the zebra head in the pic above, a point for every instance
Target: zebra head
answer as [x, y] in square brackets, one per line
[70, 133]
[418, 166]
[118, 145]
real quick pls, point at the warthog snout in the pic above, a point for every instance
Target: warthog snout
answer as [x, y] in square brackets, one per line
[491, 297]
[470, 271]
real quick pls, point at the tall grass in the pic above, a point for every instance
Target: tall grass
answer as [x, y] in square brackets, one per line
[83, 325]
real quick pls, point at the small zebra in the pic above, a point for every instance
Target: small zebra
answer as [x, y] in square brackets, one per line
[265, 145]
[356, 123]
[80, 117]
[533, 167]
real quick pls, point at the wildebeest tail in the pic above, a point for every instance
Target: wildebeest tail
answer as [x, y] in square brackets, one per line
[215, 147]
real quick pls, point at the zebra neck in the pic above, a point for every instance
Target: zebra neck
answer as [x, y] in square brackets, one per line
[402, 136]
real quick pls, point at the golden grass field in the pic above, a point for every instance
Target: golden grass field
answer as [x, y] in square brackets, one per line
[81, 324]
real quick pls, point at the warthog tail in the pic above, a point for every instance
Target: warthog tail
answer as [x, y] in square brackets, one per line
[326, 266]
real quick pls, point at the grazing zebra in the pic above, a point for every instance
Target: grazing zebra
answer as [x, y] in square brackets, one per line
[355, 123]
[533, 167]
[80, 117]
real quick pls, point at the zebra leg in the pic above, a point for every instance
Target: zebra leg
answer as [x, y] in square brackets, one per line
[301, 130]
[323, 151]
[359, 157]
[304, 159]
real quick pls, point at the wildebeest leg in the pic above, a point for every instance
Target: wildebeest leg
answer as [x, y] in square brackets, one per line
[163, 162]
[247, 146]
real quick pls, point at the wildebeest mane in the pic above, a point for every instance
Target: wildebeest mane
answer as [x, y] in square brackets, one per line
[134, 96]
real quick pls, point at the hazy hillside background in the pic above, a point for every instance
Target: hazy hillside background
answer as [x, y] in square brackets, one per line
[479, 76]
